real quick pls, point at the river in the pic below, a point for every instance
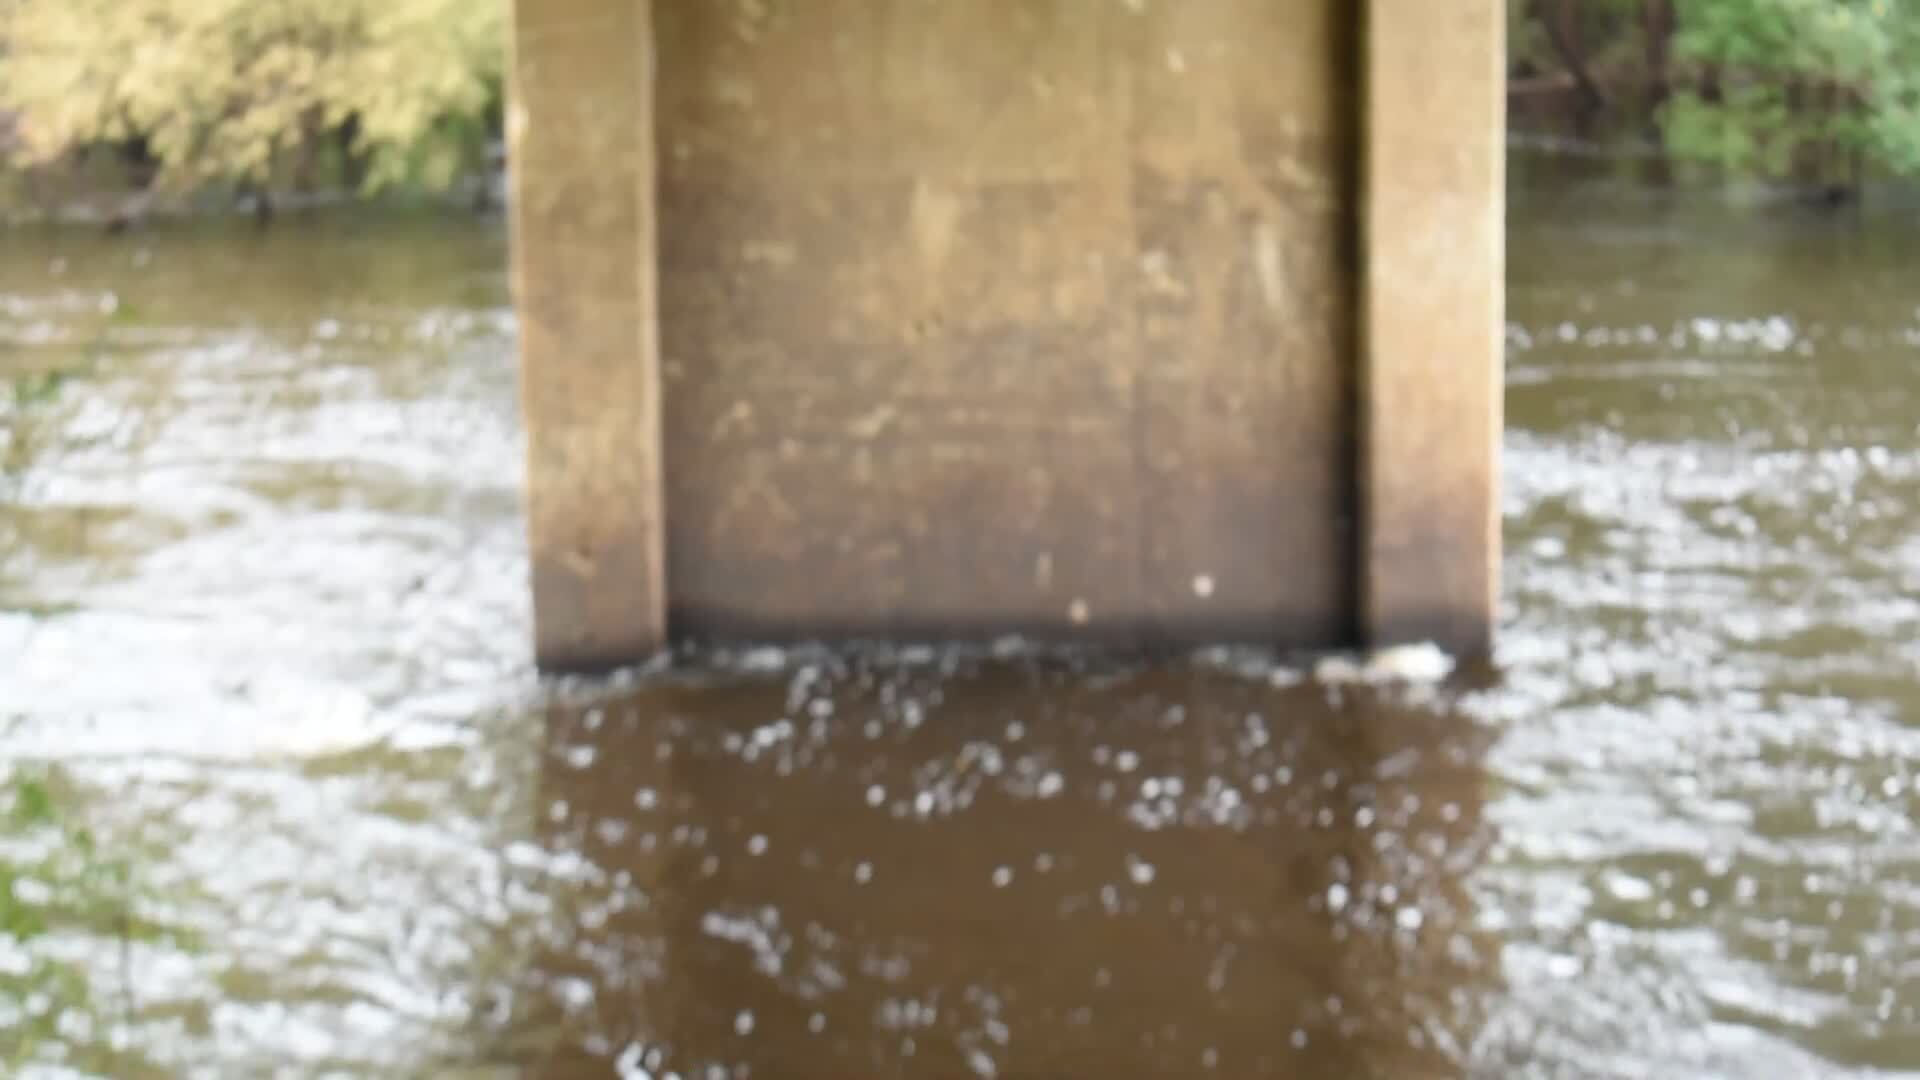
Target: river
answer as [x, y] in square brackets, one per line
[263, 632]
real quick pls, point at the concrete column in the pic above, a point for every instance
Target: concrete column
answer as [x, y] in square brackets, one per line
[582, 149]
[1012, 315]
[1005, 316]
[1432, 320]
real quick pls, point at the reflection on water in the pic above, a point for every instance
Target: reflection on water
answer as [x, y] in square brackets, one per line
[1003, 868]
[262, 605]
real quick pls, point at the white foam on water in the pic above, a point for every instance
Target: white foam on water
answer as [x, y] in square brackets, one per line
[1420, 664]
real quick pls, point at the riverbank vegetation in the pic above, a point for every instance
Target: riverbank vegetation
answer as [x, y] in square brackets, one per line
[56, 882]
[363, 96]
[1821, 94]
[184, 96]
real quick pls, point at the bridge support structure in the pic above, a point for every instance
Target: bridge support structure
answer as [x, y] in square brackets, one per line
[1150, 322]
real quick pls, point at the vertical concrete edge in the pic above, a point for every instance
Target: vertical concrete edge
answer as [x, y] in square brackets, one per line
[590, 394]
[652, 619]
[1432, 321]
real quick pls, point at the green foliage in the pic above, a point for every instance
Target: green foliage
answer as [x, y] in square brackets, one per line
[1808, 90]
[38, 387]
[29, 984]
[262, 92]
[1793, 87]
[52, 877]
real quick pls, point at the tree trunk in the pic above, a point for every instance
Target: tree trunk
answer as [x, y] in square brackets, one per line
[353, 159]
[1561, 20]
[1657, 23]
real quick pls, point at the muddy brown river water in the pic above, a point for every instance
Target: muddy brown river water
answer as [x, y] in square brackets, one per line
[263, 632]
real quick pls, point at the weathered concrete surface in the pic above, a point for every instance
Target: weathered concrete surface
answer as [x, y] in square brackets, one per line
[584, 277]
[1433, 323]
[1008, 315]
[1023, 315]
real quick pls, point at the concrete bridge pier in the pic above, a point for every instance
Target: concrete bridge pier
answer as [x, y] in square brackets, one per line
[1152, 322]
